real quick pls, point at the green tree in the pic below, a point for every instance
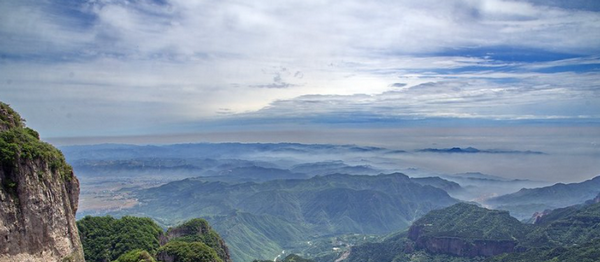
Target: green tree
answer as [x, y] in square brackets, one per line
[136, 255]
[106, 238]
[188, 252]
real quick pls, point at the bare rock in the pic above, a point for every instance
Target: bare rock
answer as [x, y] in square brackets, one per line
[38, 198]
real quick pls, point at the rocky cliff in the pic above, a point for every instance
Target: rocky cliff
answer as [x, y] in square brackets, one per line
[38, 197]
[457, 246]
[468, 231]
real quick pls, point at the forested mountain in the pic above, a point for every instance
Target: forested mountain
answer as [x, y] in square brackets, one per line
[469, 233]
[467, 230]
[264, 218]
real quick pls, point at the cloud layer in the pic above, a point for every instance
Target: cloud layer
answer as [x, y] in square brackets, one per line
[115, 67]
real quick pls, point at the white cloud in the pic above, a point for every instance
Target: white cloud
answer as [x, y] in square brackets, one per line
[141, 61]
[544, 96]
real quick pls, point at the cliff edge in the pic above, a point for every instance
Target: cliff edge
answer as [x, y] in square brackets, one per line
[38, 197]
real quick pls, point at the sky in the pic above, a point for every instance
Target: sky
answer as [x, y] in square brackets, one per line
[279, 70]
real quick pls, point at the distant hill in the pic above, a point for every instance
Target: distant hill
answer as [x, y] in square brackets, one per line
[254, 174]
[204, 150]
[476, 176]
[276, 214]
[472, 150]
[480, 187]
[448, 186]
[333, 167]
[525, 202]
[211, 169]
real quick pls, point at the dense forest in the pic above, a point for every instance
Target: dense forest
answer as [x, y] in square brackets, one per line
[137, 239]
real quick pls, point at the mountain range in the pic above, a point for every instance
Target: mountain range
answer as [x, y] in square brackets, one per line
[261, 218]
[468, 233]
[524, 203]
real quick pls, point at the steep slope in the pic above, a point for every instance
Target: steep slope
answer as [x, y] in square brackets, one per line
[107, 238]
[469, 233]
[587, 252]
[524, 203]
[570, 234]
[467, 230]
[38, 197]
[567, 226]
[198, 230]
[252, 236]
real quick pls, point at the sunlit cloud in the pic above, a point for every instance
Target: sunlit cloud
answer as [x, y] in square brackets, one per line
[70, 67]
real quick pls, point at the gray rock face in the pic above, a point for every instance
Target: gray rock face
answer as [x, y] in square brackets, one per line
[38, 200]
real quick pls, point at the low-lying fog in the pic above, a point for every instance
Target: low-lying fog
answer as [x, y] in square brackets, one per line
[552, 154]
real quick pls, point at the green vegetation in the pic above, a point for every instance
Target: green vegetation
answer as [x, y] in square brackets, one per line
[107, 238]
[296, 258]
[289, 258]
[136, 255]
[9, 118]
[258, 220]
[188, 252]
[568, 234]
[254, 235]
[574, 225]
[385, 250]
[18, 142]
[470, 222]
[198, 230]
[588, 252]
[135, 239]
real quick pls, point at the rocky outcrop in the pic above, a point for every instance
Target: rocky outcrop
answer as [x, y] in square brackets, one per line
[38, 197]
[197, 230]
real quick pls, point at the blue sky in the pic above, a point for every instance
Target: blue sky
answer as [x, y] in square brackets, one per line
[120, 68]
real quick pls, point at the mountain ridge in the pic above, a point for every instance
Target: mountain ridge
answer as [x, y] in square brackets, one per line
[318, 206]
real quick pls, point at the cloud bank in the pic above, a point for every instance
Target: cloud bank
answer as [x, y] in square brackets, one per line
[119, 67]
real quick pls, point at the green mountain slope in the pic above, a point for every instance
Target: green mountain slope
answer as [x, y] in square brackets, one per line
[467, 230]
[567, 226]
[198, 230]
[107, 238]
[471, 222]
[587, 252]
[137, 239]
[298, 210]
[469, 233]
